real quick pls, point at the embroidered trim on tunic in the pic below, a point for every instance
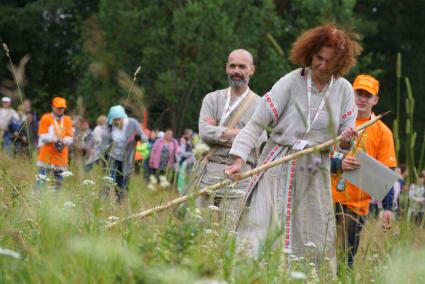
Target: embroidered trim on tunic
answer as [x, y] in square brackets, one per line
[348, 113]
[289, 190]
[270, 157]
[272, 106]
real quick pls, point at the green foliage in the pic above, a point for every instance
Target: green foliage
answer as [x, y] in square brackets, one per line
[78, 48]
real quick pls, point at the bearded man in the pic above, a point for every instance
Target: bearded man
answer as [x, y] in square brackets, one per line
[223, 114]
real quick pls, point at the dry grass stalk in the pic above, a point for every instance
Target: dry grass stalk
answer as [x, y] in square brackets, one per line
[242, 176]
[18, 73]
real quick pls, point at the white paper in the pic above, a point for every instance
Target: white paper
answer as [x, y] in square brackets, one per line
[372, 177]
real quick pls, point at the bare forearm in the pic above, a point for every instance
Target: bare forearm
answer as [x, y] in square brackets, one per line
[229, 134]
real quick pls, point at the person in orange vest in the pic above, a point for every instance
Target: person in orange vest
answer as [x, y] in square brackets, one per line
[352, 203]
[55, 135]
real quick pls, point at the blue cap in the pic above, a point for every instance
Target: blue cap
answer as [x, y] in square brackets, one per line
[116, 112]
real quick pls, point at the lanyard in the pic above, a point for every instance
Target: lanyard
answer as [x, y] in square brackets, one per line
[228, 110]
[57, 127]
[322, 103]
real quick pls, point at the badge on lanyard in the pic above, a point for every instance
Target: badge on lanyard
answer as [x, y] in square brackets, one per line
[300, 144]
[228, 109]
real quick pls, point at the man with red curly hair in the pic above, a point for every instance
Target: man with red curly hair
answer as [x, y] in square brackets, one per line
[290, 206]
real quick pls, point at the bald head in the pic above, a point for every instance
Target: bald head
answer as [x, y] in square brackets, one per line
[239, 68]
[243, 54]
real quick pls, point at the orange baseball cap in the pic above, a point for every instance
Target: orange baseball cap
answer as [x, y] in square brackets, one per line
[59, 102]
[367, 83]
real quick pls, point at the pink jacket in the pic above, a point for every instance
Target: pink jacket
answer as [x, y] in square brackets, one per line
[173, 148]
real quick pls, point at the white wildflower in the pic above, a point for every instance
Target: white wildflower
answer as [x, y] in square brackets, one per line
[11, 253]
[41, 177]
[292, 258]
[298, 275]
[67, 174]
[195, 214]
[108, 179]
[88, 182]
[213, 208]
[69, 204]
[208, 231]
[374, 257]
[113, 219]
[313, 276]
[310, 244]
[312, 264]
[200, 149]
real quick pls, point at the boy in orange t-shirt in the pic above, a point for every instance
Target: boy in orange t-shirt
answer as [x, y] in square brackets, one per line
[352, 203]
[55, 135]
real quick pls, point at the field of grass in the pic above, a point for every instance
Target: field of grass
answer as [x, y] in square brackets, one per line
[60, 237]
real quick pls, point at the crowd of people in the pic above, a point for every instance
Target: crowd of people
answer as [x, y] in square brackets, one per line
[306, 202]
[117, 142]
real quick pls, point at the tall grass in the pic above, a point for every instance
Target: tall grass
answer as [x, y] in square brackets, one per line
[61, 238]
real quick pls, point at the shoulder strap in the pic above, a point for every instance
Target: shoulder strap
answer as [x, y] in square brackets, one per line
[246, 103]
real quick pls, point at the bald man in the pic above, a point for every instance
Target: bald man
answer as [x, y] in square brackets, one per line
[223, 114]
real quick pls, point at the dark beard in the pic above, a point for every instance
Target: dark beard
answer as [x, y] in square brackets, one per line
[237, 83]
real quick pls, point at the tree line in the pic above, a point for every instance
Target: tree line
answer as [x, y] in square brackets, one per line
[88, 50]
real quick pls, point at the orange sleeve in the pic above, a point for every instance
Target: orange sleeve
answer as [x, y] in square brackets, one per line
[386, 152]
[45, 122]
[67, 127]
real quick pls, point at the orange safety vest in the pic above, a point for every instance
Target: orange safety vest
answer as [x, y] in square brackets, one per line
[61, 128]
[379, 144]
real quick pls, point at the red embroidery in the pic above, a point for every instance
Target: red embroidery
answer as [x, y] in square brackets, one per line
[289, 204]
[272, 106]
[348, 113]
[255, 178]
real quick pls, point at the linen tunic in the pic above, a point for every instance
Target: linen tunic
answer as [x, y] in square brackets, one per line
[213, 106]
[294, 199]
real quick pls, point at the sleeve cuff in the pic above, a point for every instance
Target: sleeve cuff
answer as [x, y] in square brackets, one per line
[67, 140]
[341, 150]
[240, 154]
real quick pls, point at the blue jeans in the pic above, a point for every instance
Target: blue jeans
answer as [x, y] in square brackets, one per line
[121, 180]
[351, 225]
[57, 179]
[7, 143]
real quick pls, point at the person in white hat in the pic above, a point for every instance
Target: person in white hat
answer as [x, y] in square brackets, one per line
[7, 116]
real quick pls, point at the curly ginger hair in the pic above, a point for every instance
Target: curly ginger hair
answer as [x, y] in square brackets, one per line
[311, 41]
